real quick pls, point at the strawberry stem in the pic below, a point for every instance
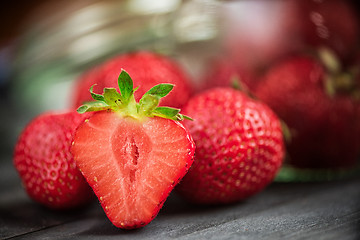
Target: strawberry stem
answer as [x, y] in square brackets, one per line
[124, 103]
[330, 61]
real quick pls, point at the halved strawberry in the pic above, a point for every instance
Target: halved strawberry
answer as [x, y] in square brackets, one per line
[132, 154]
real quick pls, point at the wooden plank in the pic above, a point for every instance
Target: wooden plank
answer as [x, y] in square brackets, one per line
[328, 210]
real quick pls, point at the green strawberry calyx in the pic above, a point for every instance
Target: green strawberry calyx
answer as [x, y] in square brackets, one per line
[125, 105]
[337, 80]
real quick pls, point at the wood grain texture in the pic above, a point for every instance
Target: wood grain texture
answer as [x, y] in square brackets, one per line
[327, 210]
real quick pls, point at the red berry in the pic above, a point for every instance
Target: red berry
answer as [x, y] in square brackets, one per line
[44, 162]
[132, 166]
[267, 31]
[239, 147]
[147, 69]
[332, 24]
[323, 127]
[222, 72]
[133, 154]
[256, 33]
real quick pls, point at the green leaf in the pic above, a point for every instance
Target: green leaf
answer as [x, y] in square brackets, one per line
[236, 82]
[112, 97]
[186, 117]
[181, 117]
[150, 100]
[329, 86]
[125, 104]
[148, 103]
[93, 106]
[95, 96]
[286, 132]
[329, 59]
[167, 111]
[170, 113]
[125, 85]
[160, 90]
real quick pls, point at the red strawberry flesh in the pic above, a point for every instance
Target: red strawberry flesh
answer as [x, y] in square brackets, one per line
[139, 163]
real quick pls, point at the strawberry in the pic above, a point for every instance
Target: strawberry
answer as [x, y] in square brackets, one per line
[147, 69]
[257, 33]
[267, 31]
[316, 101]
[43, 160]
[133, 154]
[239, 147]
[222, 72]
[332, 24]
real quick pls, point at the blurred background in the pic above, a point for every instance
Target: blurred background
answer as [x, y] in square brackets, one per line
[45, 45]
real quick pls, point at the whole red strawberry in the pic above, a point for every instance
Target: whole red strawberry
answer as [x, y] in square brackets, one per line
[133, 154]
[239, 147]
[44, 162]
[316, 101]
[146, 68]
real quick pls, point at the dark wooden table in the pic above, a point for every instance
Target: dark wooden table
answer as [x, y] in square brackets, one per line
[326, 210]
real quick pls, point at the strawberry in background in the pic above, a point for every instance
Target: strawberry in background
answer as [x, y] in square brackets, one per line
[318, 99]
[146, 68]
[220, 71]
[330, 23]
[258, 33]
